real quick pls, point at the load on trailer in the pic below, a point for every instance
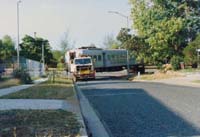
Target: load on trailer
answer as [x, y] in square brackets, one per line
[104, 60]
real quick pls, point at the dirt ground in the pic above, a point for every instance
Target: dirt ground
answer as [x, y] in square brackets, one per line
[175, 78]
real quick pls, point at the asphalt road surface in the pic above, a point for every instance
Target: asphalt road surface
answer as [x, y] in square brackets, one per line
[133, 109]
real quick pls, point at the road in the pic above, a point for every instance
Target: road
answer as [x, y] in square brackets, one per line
[136, 109]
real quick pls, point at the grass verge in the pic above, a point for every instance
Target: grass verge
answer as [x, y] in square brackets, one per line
[40, 123]
[61, 89]
[6, 83]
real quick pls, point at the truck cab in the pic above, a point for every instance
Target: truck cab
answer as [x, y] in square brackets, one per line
[82, 68]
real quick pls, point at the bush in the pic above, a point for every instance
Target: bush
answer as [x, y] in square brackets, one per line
[175, 62]
[23, 75]
[190, 52]
[190, 55]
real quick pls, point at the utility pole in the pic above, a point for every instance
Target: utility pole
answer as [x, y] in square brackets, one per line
[127, 25]
[35, 33]
[43, 60]
[128, 63]
[122, 15]
[18, 39]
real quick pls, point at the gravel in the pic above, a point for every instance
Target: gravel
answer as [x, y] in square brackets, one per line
[134, 109]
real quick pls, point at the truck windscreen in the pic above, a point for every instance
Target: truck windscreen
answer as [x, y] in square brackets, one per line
[83, 61]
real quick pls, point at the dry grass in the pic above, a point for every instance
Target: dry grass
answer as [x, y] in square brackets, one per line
[61, 89]
[159, 75]
[9, 83]
[196, 81]
[40, 123]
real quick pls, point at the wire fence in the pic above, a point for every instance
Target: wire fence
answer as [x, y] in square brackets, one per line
[34, 68]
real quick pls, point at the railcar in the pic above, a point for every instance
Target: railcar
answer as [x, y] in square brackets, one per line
[105, 60]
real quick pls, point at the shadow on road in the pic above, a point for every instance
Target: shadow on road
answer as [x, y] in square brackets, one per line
[93, 83]
[135, 113]
[104, 80]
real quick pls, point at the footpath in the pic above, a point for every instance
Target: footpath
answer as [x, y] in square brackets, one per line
[13, 89]
[190, 80]
[40, 104]
[8, 104]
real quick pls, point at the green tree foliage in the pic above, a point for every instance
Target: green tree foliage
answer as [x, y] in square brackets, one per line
[110, 42]
[166, 26]
[59, 57]
[190, 51]
[32, 48]
[136, 45]
[57, 54]
[175, 62]
[7, 48]
[65, 45]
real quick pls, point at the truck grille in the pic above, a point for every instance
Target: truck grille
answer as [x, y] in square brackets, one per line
[83, 68]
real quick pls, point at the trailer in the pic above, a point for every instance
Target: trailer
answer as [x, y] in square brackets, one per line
[105, 60]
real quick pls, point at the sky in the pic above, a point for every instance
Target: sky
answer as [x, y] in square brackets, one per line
[86, 21]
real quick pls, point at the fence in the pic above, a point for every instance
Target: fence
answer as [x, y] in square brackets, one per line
[34, 68]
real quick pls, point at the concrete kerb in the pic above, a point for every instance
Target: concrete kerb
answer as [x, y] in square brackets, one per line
[93, 124]
[83, 130]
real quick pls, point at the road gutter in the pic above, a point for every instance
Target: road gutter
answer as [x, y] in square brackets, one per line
[94, 125]
[80, 118]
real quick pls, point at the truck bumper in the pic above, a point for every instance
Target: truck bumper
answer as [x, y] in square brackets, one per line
[85, 76]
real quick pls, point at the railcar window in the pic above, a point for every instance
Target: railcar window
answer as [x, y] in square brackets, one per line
[99, 57]
[95, 57]
[108, 57]
[113, 57]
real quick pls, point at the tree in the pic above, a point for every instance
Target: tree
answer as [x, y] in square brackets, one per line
[110, 42]
[166, 26]
[135, 44]
[32, 48]
[65, 43]
[58, 56]
[7, 48]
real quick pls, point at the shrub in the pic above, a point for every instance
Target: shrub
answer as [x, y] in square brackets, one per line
[23, 75]
[190, 52]
[190, 55]
[175, 62]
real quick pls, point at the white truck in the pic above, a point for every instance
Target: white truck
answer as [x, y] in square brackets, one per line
[81, 67]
